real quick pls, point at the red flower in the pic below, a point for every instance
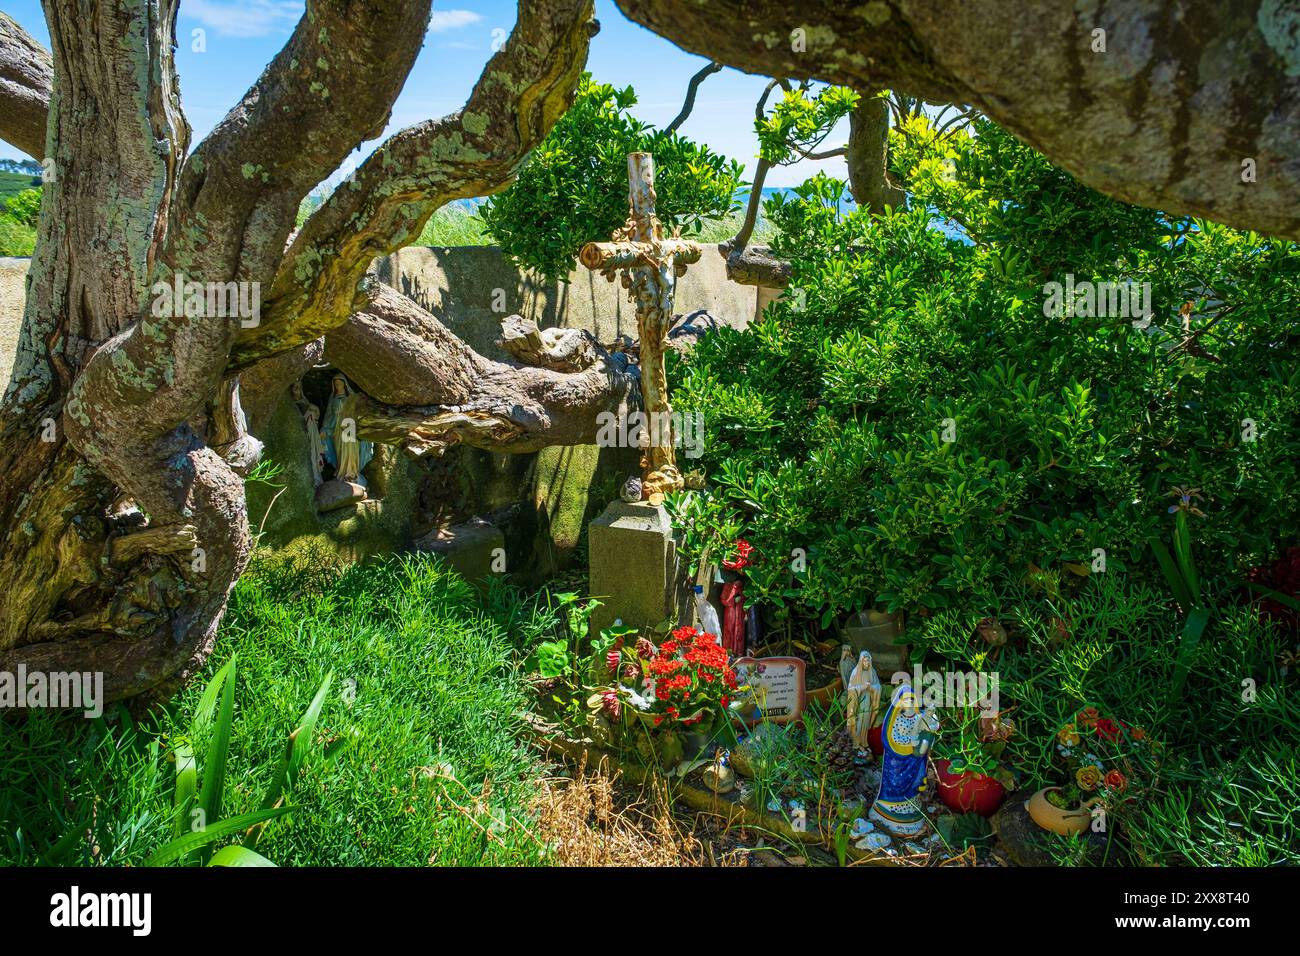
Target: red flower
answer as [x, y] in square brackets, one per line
[609, 703]
[1116, 781]
[612, 660]
[1108, 729]
[743, 550]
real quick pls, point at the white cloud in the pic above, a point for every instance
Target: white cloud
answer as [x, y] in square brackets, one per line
[452, 20]
[244, 18]
[258, 18]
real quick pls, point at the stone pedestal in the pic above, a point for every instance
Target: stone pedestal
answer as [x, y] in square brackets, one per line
[476, 548]
[633, 566]
[335, 494]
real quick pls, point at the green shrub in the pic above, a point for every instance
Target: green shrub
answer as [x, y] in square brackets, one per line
[909, 418]
[573, 188]
[15, 238]
[25, 207]
[1221, 785]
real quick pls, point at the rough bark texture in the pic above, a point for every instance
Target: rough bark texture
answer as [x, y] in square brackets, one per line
[1184, 93]
[124, 434]
[426, 390]
[867, 156]
[26, 78]
[755, 265]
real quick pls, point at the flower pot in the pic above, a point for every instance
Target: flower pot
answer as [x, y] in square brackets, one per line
[968, 791]
[1051, 817]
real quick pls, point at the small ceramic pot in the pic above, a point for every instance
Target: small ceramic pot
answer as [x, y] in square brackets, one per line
[1051, 817]
[967, 791]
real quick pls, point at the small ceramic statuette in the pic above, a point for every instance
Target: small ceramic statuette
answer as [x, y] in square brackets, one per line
[863, 689]
[847, 663]
[908, 732]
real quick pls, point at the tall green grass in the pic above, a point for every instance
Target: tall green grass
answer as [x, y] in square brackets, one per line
[424, 685]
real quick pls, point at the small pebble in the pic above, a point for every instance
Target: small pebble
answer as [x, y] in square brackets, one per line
[873, 841]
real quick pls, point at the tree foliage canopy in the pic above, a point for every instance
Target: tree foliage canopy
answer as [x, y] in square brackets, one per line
[573, 188]
[909, 415]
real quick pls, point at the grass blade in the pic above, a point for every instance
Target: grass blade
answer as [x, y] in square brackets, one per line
[187, 784]
[1285, 600]
[236, 855]
[208, 702]
[1172, 574]
[1194, 627]
[306, 730]
[214, 768]
[198, 839]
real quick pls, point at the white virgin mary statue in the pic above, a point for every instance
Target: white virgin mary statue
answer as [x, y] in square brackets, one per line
[311, 421]
[864, 700]
[343, 450]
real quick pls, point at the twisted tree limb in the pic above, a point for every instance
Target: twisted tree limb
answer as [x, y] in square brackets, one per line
[384, 205]
[124, 534]
[425, 390]
[26, 78]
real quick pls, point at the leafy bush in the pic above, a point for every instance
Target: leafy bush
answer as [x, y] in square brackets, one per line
[1221, 781]
[907, 427]
[15, 238]
[25, 207]
[573, 188]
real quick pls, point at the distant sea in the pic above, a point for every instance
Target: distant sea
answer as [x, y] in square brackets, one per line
[847, 205]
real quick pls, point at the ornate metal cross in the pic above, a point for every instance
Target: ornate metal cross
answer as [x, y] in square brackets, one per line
[649, 264]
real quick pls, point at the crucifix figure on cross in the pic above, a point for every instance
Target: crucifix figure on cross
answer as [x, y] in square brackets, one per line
[649, 263]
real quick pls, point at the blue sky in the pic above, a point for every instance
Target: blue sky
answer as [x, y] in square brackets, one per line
[243, 35]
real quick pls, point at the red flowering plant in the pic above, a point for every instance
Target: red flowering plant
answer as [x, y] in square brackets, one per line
[1103, 757]
[742, 559]
[689, 682]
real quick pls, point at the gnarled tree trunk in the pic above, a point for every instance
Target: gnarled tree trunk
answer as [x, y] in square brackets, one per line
[123, 524]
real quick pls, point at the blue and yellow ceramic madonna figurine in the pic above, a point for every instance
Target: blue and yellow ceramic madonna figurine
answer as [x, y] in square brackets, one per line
[907, 733]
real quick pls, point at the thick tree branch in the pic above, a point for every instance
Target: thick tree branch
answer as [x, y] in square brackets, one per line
[523, 90]
[1181, 97]
[868, 156]
[26, 79]
[755, 265]
[425, 389]
[234, 207]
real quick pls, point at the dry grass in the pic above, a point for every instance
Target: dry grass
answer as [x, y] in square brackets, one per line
[594, 819]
